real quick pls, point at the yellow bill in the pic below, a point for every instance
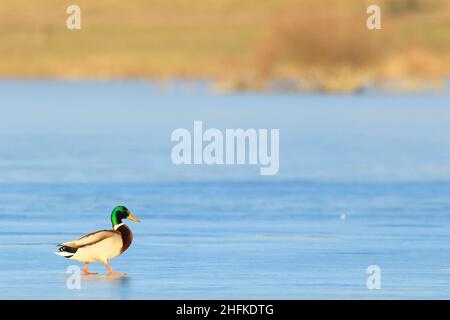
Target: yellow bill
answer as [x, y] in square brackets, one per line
[133, 218]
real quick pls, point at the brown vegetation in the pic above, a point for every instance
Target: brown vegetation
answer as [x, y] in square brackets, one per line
[322, 44]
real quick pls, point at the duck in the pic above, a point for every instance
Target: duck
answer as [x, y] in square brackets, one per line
[103, 245]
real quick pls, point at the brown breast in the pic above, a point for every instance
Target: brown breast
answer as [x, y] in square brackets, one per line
[127, 237]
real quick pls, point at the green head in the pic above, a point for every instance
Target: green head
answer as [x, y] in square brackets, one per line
[119, 213]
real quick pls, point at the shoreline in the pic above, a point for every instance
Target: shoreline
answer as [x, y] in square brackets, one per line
[250, 85]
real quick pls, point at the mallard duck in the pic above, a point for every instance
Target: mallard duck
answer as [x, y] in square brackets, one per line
[103, 245]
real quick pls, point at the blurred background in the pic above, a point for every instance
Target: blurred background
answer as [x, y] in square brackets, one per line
[296, 45]
[364, 179]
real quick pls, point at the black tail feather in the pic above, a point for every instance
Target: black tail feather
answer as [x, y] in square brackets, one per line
[66, 252]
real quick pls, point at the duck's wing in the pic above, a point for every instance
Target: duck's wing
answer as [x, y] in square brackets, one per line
[91, 238]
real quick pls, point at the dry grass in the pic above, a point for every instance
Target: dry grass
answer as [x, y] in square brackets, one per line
[334, 48]
[157, 38]
[240, 42]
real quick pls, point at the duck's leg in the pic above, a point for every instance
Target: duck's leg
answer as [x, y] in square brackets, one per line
[111, 271]
[86, 271]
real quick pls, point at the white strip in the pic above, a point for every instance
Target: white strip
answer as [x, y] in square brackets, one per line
[117, 226]
[64, 254]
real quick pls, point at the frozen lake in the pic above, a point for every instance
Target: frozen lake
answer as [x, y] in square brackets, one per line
[71, 151]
